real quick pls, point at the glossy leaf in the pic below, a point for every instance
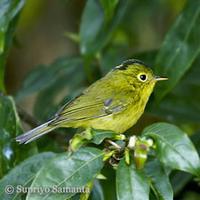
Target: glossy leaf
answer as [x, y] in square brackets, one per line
[174, 148]
[68, 170]
[97, 191]
[9, 11]
[180, 48]
[95, 33]
[22, 175]
[109, 184]
[159, 180]
[100, 135]
[180, 179]
[131, 183]
[10, 127]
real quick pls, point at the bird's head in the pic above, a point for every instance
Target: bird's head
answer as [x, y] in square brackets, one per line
[138, 74]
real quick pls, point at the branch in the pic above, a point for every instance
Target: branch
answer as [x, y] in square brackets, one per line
[27, 118]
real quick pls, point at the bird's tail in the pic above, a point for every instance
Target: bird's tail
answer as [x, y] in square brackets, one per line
[35, 133]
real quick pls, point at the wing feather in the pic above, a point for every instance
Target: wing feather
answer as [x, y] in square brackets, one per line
[93, 104]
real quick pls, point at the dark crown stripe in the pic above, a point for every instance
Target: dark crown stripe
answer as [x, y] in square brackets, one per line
[126, 63]
[133, 61]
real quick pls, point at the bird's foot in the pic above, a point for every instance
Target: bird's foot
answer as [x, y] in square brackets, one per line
[114, 152]
[135, 147]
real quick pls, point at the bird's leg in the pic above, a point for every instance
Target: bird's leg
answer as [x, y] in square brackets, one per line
[137, 146]
[114, 144]
[115, 151]
[80, 139]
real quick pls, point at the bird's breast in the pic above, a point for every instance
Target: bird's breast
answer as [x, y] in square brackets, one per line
[119, 122]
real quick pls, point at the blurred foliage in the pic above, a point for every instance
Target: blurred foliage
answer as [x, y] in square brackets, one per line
[8, 18]
[165, 35]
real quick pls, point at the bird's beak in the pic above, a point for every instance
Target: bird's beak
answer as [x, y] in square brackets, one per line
[158, 78]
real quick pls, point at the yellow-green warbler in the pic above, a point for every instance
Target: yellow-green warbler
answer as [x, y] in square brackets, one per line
[115, 102]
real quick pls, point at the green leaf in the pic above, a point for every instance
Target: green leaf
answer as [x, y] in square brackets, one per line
[131, 183]
[68, 170]
[180, 104]
[159, 180]
[97, 191]
[174, 148]
[9, 11]
[96, 194]
[109, 7]
[108, 185]
[96, 33]
[180, 48]
[10, 127]
[22, 175]
[100, 135]
[180, 179]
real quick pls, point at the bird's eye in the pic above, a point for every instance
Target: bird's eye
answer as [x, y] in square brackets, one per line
[142, 77]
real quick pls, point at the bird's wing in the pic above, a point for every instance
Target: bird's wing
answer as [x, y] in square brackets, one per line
[88, 106]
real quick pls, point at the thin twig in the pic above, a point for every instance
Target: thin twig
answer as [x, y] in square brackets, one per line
[27, 118]
[114, 144]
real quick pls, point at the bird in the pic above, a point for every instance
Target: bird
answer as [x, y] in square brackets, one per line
[115, 102]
